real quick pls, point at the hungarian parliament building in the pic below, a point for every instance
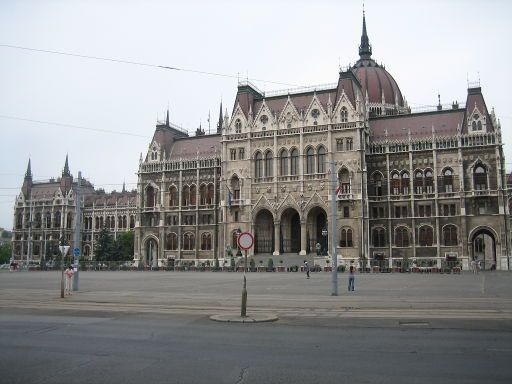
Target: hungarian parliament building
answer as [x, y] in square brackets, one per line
[425, 185]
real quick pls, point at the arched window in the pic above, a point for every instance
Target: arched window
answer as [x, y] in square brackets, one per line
[448, 180]
[193, 192]
[405, 183]
[101, 221]
[210, 194]
[344, 115]
[234, 240]
[344, 181]
[112, 222]
[120, 222]
[173, 196]
[426, 236]
[480, 178]
[185, 196]
[132, 221]
[108, 222]
[283, 167]
[450, 235]
[97, 223]
[395, 183]
[269, 171]
[171, 241]
[125, 222]
[150, 197]
[321, 159]
[39, 220]
[238, 126]
[202, 194]
[235, 187]
[258, 165]
[310, 161]
[56, 220]
[378, 236]
[402, 237]
[418, 182]
[206, 242]
[48, 219]
[429, 181]
[189, 241]
[377, 183]
[294, 161]
[19, 221]
[346, 238]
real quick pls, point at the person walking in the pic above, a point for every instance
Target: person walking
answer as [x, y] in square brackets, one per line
[351, 278]
[306, 268]
[473, 266]
[68, 275]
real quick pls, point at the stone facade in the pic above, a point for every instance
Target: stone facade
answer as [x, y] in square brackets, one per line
[44, 214]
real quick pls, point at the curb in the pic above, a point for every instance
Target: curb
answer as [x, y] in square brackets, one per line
[236, 318]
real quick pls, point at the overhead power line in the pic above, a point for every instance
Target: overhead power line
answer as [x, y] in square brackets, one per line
[71, 126]
[131, 62]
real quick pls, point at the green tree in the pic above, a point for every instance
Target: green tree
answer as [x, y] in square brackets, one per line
[124, 246]
[5, 253]
[104, 247]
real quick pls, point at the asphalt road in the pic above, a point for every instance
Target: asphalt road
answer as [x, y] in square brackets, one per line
[85, 347]
[153, 327]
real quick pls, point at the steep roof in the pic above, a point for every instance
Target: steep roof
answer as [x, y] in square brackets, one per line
[444, 122]
[197, 146]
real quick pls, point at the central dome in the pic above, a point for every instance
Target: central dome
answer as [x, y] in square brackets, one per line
[384, 95]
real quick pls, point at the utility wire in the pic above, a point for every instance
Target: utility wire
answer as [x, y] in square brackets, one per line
[71, 126]
[130, 62]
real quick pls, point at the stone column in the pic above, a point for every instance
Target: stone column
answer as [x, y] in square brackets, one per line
[303, 238]
[277, 236]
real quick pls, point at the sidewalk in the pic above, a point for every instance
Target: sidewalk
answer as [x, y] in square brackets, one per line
[466, 296]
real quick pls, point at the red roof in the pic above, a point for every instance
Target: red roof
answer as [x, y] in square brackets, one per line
[420, 125]
[198, 146]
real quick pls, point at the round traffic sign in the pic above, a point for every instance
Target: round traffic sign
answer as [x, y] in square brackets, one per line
[76, 251]
[245, 241]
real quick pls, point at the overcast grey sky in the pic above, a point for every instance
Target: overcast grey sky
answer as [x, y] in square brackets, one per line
[428, 46]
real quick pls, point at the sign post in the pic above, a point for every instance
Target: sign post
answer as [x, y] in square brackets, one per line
[63, 250]
[245, 241]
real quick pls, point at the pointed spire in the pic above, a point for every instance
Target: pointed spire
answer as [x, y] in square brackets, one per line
[365, 49]
[28, 174]
[167, 118]
[66, 172]
[124, 186]
[221, 119]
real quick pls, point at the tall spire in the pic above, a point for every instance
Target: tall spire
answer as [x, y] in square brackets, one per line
[365, 49]
[66, 172]
[28, 174]
[221, 119]
[167, 118]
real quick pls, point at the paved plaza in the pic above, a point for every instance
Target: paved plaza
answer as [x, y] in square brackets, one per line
[484, 296]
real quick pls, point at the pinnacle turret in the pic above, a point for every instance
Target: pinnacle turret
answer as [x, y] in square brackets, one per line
[365, 49]
[66, 172]
[28, 174]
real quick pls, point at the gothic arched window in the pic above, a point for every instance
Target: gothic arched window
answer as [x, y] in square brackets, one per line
[321, 159]
[269, 164]
[283, 168]
[450, 235]
[480, 178]
[258, 165]
[378, 236]
[294, 161]
[402, 237]
[426, 236]
[346, 238]
[344, 115]
[310, 161]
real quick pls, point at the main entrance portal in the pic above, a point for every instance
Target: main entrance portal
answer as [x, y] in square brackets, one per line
[290, 231]
[317, 231]
[484, 248]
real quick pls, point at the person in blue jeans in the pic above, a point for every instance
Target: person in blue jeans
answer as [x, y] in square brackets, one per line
[351, 278]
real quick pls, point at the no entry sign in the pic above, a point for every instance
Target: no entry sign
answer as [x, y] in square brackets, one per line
[245, 241]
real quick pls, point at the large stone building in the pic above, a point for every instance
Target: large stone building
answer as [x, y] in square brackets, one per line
[424, 186]
[44, 215]
[427, 186]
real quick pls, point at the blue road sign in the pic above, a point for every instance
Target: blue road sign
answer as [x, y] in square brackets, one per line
[76, 251]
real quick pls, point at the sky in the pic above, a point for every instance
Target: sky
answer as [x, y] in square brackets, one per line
[102, 113]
